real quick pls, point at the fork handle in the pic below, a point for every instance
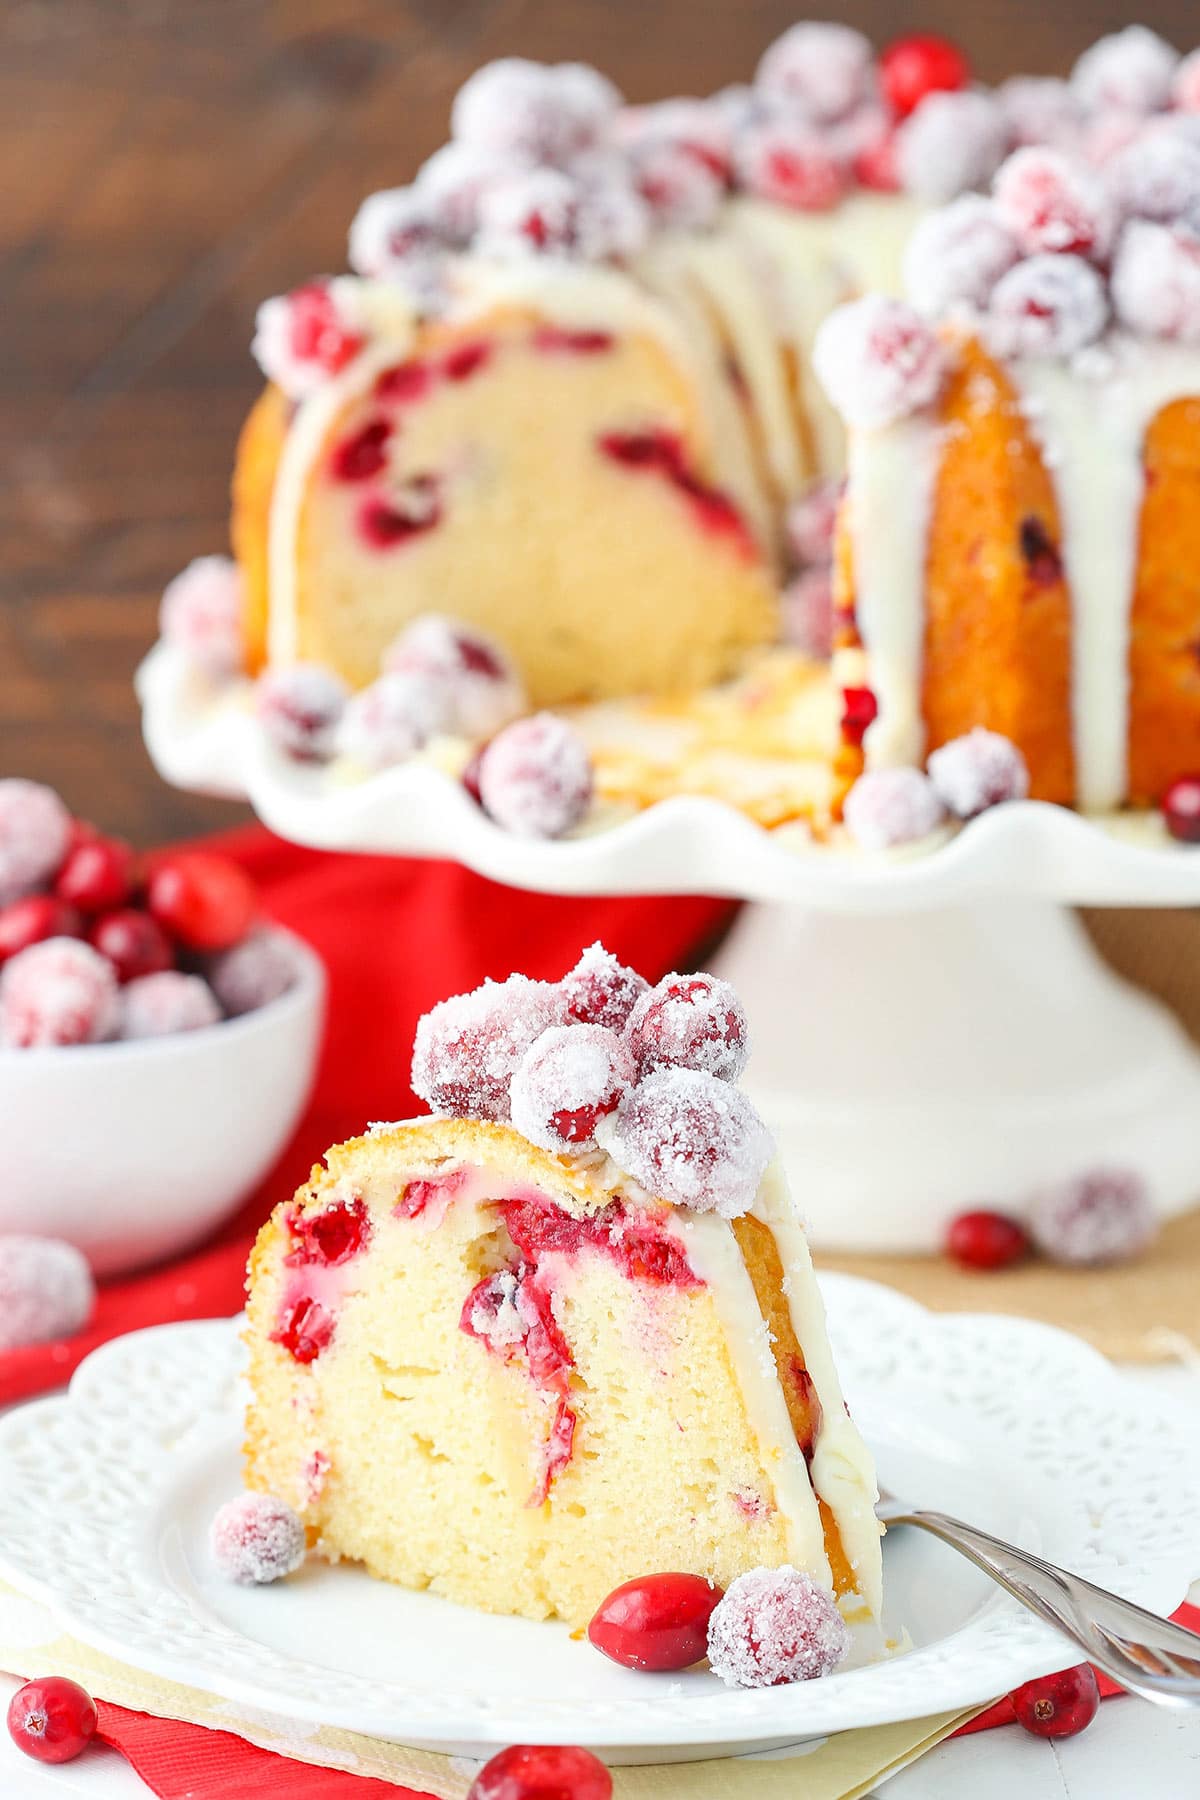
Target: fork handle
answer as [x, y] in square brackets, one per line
[1148, 1655]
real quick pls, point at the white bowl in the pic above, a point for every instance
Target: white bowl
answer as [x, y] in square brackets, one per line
[134, 1151]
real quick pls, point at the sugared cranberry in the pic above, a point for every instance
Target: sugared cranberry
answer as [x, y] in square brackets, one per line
[860, 709]
[681, 191]
[775, 1626]
[52, 1719]
[823, 69]
[299, 708]
[1158, 178]
[201, 615]
[533, 111]
[253, 973]
[1132, 70]
[542, 1772]
[600, 990]
[986, 1240]
[33, 920]
[1054, 202]
[256, 1538]
[96, 875]
[363, 453]
[468, 1047]
[566, 1082]
[1181, 809]
[46, 1290]
[412, 506]
[1047, 306]
[690, 1139]
[1156, 281]
[1105, 1216]
[304, 1328]
[978, 771]
[134, 943]
[395, 233]
[878, 360]
[889, 807]
[57, 992]
[811, 521]
[544, 212]
[164, 1004]
[806, 605]
[451, 184]
[477, 682]
[201, 899]
[912, 67]
[389, 721]
[957, 254]
[35, 835]
[690, 1022]
[656, 1622]
[334, 1235]
[535, 777]
[877, 163]
[1059, 1705]
[792, 163]
[952, 142]
[1185, 85]
[1040, 109]
[304, 337]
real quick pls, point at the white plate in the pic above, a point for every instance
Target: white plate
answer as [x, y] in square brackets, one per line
[198, 740]
[105, 1497]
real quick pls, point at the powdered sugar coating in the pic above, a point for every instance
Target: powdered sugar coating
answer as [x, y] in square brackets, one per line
[956, 256]
[467, 1048]
[792, 162]
[256, 1538]
[599, 990]
[546, 212]
[952, 142]
[692, 1140]
[166, 1003]
[302, 338]
[253, 973]
[682, 191]
[535, 778]
[1040, 109]
[810, 522]
[1158, 177]
[395, 235]
[775, 1626]
[806, 608]
[300, 708]
[691, 1022]
[1046, 306]
[479, 681]
[35, 830]
[1131, 69]
[60, 991]
[1051, 201]
[1105, 1216]
[878, 360]
[451, 183]
[568, 1079]
[390, 720]
[201, 614]
[46, 1290]
[540, 112]
[823, 68]
[888, 807]
[1156, 281]
[976, 771]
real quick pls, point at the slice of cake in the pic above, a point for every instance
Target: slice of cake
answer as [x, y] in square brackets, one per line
[521, 1372]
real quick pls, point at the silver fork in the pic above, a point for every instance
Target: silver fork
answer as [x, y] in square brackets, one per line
[1148, 1655]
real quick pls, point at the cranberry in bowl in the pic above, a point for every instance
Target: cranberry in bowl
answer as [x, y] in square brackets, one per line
[158, 1037]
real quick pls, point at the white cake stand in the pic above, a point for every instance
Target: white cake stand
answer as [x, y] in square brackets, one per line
[932, 1031]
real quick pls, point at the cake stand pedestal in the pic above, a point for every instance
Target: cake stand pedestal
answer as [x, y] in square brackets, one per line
[932, 1031]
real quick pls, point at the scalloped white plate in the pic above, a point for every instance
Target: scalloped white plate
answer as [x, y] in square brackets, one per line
[105, 1497]
[686, 845]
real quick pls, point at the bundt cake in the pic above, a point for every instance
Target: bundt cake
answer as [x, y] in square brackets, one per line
[568, 1336]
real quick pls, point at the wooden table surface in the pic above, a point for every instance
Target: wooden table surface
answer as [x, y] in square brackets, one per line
[171, 162]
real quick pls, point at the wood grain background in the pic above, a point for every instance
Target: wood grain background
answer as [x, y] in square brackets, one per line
[170, 162]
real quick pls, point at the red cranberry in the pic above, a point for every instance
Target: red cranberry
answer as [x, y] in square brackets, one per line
[570, 1078]
[656, 1622]
[1181, 809]
[466, 360]
[542, 1772]
[363, 453]
[304, 1329]
[918, 65]
[332, 1236]
[691, 1022]
[986, 1240]
[32, 920]
[53, 1720]
[96, 875]
[1059, 1705]
[203, 900]
[859, 711]
[134, 943]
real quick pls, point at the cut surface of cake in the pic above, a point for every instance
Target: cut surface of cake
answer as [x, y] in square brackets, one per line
[519, 1376]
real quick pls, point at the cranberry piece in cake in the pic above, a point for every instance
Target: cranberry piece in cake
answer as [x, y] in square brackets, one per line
[1105, 1216]
[889, 807]
[405, 511]
[46, 1291]
[52, 1719]
[542, 1772]
[775, 1626]
[363, 453]
[203, 900]
[1047, 306]
[57, 992]
[878, 360]
[1061, 1705]
[600, 990]
[304, 1328]
[1131, 71]
[201, 614]
[256, 1539]
[986, 1240]
[33, 920]
[35, 834]
[691, 1139]
[957, 254]
[1181, 809]
[1156, 281]
[792, 163]
[691, 1022]
[952, 142]
[533, 112]
[300, 708]
[162, 1005]
[335, 1235]
[567, 1081]
[822, 69]
[482, 688]
[535, 778]
[912, 67]
[656, 1622]
[98, 873]
[134, 943]
[1054, 202]
[467, 1048]
[977, 771]
[253, 973]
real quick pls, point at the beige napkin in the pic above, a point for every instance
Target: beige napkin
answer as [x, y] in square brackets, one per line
[845, 1767]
